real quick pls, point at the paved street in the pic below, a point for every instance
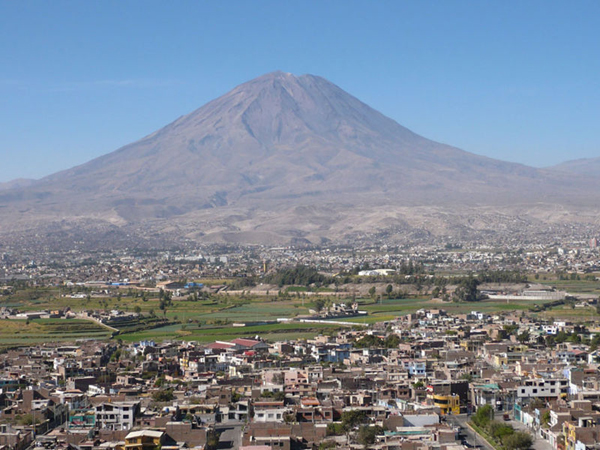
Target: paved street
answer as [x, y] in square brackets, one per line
[538, 442]
[472, 438]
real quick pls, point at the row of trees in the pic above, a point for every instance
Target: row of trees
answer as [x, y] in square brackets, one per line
[299, 275]
[466, 291]
[502, 434]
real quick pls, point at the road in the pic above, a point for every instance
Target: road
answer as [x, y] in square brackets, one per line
[538, 442]
[472, 438]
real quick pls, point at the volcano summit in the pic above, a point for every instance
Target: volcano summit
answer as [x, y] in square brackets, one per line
[285, 157]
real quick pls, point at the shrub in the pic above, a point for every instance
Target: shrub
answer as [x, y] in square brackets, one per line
[519, 440]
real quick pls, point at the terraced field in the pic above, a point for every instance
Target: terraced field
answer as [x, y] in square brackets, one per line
[209, 320]
[389, 309]
[274, 332]
[19, 332]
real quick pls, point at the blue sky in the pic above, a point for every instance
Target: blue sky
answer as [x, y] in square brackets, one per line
[518, 81]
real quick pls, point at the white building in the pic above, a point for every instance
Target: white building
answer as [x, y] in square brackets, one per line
[543, 388]
[116, 415]
[271, 415]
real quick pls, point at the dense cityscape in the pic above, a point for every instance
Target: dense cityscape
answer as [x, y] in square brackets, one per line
[309, 225]
[431, 347]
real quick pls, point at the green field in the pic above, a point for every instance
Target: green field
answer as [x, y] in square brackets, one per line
[574, 286]
[273, 332]
[397, 307]
[212, 319]
[575, 314]
[19, 332]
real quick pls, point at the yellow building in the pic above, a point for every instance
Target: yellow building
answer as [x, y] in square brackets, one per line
[448, 404]
[144, 440]
[500, 360]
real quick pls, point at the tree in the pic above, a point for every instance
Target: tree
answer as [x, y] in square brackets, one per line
[483, 416]
[164, 395]
[499, 430]
[212, 440]
[519, 440]
[523, 337]
[27, 419]
[392, 341]
[352, 418]
[466, 290]
[116, 355]
[372, 292]
[595, 342]
[137, 309]
[369, 341]
[335, 429]
[388, 290]
[367, 435]
[319, 304]
[545, 418]
[299, 275]
[466, 376]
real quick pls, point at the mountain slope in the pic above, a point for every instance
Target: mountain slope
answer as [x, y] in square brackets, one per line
[17, 184]
[586, 166]
[268, 147]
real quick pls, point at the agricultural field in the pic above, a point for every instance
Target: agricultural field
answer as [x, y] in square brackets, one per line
[390, 308]
[22, 332]
[209, 319]
[272, 332]
[574, 287]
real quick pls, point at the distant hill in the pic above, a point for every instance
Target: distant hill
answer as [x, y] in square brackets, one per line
[282, 158]
[586, 166]
[17, 184]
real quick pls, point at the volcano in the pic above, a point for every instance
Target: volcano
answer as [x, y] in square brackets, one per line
[281, 156]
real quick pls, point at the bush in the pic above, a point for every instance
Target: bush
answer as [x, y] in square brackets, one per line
[335, 429]
[483, 416]
[352, 418]
[519, 440]
[164, 395]
[367, 435]
[499, 430]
